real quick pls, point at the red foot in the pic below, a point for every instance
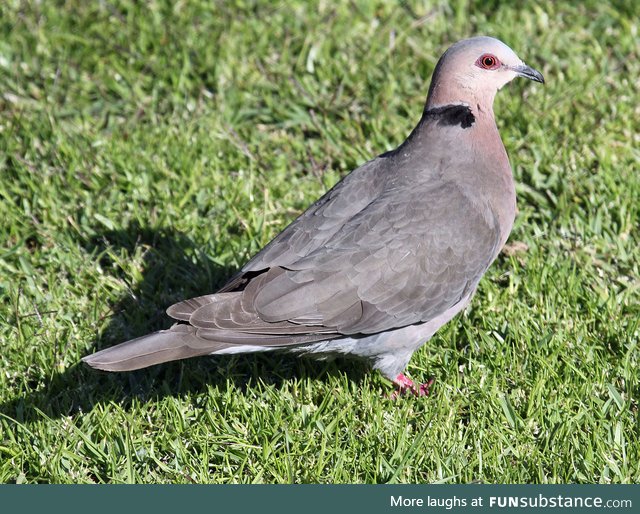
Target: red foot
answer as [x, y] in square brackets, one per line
[405, 384]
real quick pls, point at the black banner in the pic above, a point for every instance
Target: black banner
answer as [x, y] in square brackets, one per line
[324, 499]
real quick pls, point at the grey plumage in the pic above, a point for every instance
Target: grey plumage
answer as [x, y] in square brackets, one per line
[381, 261]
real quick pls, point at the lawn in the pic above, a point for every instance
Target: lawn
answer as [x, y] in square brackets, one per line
[146, 152]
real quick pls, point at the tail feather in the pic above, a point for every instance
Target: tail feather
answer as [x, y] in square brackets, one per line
[183, 310]
[179, 342]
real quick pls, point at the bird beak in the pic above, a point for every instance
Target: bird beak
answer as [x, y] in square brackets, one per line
[528, 72]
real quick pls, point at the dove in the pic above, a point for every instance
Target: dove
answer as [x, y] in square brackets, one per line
[385, 258]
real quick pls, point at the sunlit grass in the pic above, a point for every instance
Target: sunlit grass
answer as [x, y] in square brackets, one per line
[146, 152]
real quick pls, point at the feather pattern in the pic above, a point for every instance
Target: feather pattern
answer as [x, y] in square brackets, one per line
[381, 261]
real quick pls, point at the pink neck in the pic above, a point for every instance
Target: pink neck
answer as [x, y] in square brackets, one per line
[480, 101]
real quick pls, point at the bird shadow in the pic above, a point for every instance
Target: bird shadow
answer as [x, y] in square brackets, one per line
[174, 268]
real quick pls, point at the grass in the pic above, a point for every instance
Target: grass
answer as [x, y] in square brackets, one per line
[147, 151]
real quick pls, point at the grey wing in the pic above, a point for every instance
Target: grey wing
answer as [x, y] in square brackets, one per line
[407, 257]
[320, 222]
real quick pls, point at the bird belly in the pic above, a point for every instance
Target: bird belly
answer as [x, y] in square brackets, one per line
[243, 348]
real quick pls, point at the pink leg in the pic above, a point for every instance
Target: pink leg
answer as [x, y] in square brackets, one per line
[405, 384]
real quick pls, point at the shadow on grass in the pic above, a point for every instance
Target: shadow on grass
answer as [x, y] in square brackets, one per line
[174, 268]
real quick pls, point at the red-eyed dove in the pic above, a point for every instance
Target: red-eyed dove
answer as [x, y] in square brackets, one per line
[378, 264]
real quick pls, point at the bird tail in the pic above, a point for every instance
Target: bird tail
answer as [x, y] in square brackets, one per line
[178, 342]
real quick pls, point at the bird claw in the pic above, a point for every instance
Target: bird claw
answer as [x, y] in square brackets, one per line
[404, 384]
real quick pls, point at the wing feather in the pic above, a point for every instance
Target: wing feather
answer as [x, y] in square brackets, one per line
[382, 250]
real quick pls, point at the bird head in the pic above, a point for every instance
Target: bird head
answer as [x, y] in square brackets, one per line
[473, 70]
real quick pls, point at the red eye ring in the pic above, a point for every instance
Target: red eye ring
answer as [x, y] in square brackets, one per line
[488, 62]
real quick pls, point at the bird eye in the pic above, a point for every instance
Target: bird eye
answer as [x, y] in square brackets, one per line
[488, 62]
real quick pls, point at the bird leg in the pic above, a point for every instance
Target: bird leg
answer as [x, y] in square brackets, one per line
[404, 384]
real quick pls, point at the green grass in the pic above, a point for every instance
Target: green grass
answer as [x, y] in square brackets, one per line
[147, 152]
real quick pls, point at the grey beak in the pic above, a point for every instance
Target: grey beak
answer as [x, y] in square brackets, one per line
[528, 72]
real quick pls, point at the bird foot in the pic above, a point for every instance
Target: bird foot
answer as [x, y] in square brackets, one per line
[404, 384]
